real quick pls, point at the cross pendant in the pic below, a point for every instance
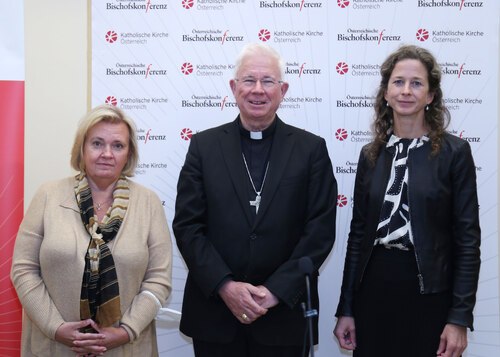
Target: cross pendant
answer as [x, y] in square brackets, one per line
[256, 203]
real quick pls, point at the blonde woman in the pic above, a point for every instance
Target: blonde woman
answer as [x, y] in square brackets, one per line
[92, 259]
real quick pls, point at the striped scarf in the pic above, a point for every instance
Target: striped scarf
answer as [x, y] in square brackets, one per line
[100, 295]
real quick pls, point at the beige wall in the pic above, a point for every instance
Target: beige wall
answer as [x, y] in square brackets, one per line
[56, 38]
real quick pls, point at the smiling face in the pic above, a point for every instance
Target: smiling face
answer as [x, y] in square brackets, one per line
[408, 90]
[106, 151]
[258, 90]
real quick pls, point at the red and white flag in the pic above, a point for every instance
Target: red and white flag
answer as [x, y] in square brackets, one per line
[11, 165]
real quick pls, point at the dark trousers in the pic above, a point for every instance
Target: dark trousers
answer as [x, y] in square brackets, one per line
[392, 318]
[244, 345]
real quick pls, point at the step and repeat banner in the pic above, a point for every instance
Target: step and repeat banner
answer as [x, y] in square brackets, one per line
[11, 165]
[168, 64]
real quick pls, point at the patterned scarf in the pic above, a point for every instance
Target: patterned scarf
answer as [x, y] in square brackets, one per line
[100, 295]
[394, 228]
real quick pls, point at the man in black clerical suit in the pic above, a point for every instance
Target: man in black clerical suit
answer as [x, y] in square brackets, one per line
[254, 196]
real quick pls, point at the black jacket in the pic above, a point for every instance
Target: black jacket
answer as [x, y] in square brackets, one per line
[219, 237]
[444, 221]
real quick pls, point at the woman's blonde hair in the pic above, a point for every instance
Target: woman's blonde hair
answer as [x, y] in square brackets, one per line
[109, 114]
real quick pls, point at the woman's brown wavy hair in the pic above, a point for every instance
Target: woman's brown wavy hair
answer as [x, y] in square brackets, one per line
[437, 117]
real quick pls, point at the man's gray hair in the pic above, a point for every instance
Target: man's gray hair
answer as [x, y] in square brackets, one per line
[263, 49]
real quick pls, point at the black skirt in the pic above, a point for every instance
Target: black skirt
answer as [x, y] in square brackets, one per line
[392, 317]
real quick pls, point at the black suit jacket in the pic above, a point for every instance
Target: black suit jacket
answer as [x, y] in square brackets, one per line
[219, 237]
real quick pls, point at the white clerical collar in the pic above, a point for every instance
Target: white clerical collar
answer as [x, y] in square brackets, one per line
[256, 135]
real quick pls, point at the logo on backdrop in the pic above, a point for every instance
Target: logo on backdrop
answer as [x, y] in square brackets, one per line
[361, 136]
[343, 3]
[134, 103]
[111, 36]
[147, 136]
[187, 68]
[292, 102]
[144, 167]
[134, 38]
[287, 4]
[367, 35]
[186, 134]
[300, 70]
[205, 70]
[289, 36]
[457, 103]
[111, 100]
[341, 200]
[349, 168]
[366, 4]
[459, 70]
[136, 70]
[358, 70]
[187, 4]
[422, 35]
[356, 101]
[447, 36]
[264, 35]
[210, 5]
[298, 102]
[460, 4]
[342, 68]
[341, 134]
[208, 101]
[212, 36]
[138, 5]
[471, 139]
[355, 136]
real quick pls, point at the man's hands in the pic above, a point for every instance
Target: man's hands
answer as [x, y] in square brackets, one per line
[246, 301]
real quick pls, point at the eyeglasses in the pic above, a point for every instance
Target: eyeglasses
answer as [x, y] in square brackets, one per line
[251, 82]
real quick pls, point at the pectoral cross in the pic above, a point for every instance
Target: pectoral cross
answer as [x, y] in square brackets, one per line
[256, 203]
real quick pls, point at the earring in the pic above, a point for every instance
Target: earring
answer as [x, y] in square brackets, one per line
[387, 104]
[427, 108]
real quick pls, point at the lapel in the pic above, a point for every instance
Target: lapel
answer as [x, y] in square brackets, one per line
[69, 201]
[280, 153]
[230, 142]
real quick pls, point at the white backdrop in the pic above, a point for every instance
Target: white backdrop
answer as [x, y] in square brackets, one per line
[168, 64]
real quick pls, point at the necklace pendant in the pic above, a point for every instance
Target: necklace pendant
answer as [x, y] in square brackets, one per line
[256, 203]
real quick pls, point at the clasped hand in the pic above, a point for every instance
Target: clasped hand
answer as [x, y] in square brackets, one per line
[90, 344]
[246, 301]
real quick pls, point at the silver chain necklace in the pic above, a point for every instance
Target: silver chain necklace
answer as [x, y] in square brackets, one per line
[256, 202]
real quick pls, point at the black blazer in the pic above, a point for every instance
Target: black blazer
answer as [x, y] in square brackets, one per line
[219, 237]
[444, 216]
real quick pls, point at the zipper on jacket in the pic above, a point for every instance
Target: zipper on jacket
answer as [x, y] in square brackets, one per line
[420, 281]
[419, 275]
